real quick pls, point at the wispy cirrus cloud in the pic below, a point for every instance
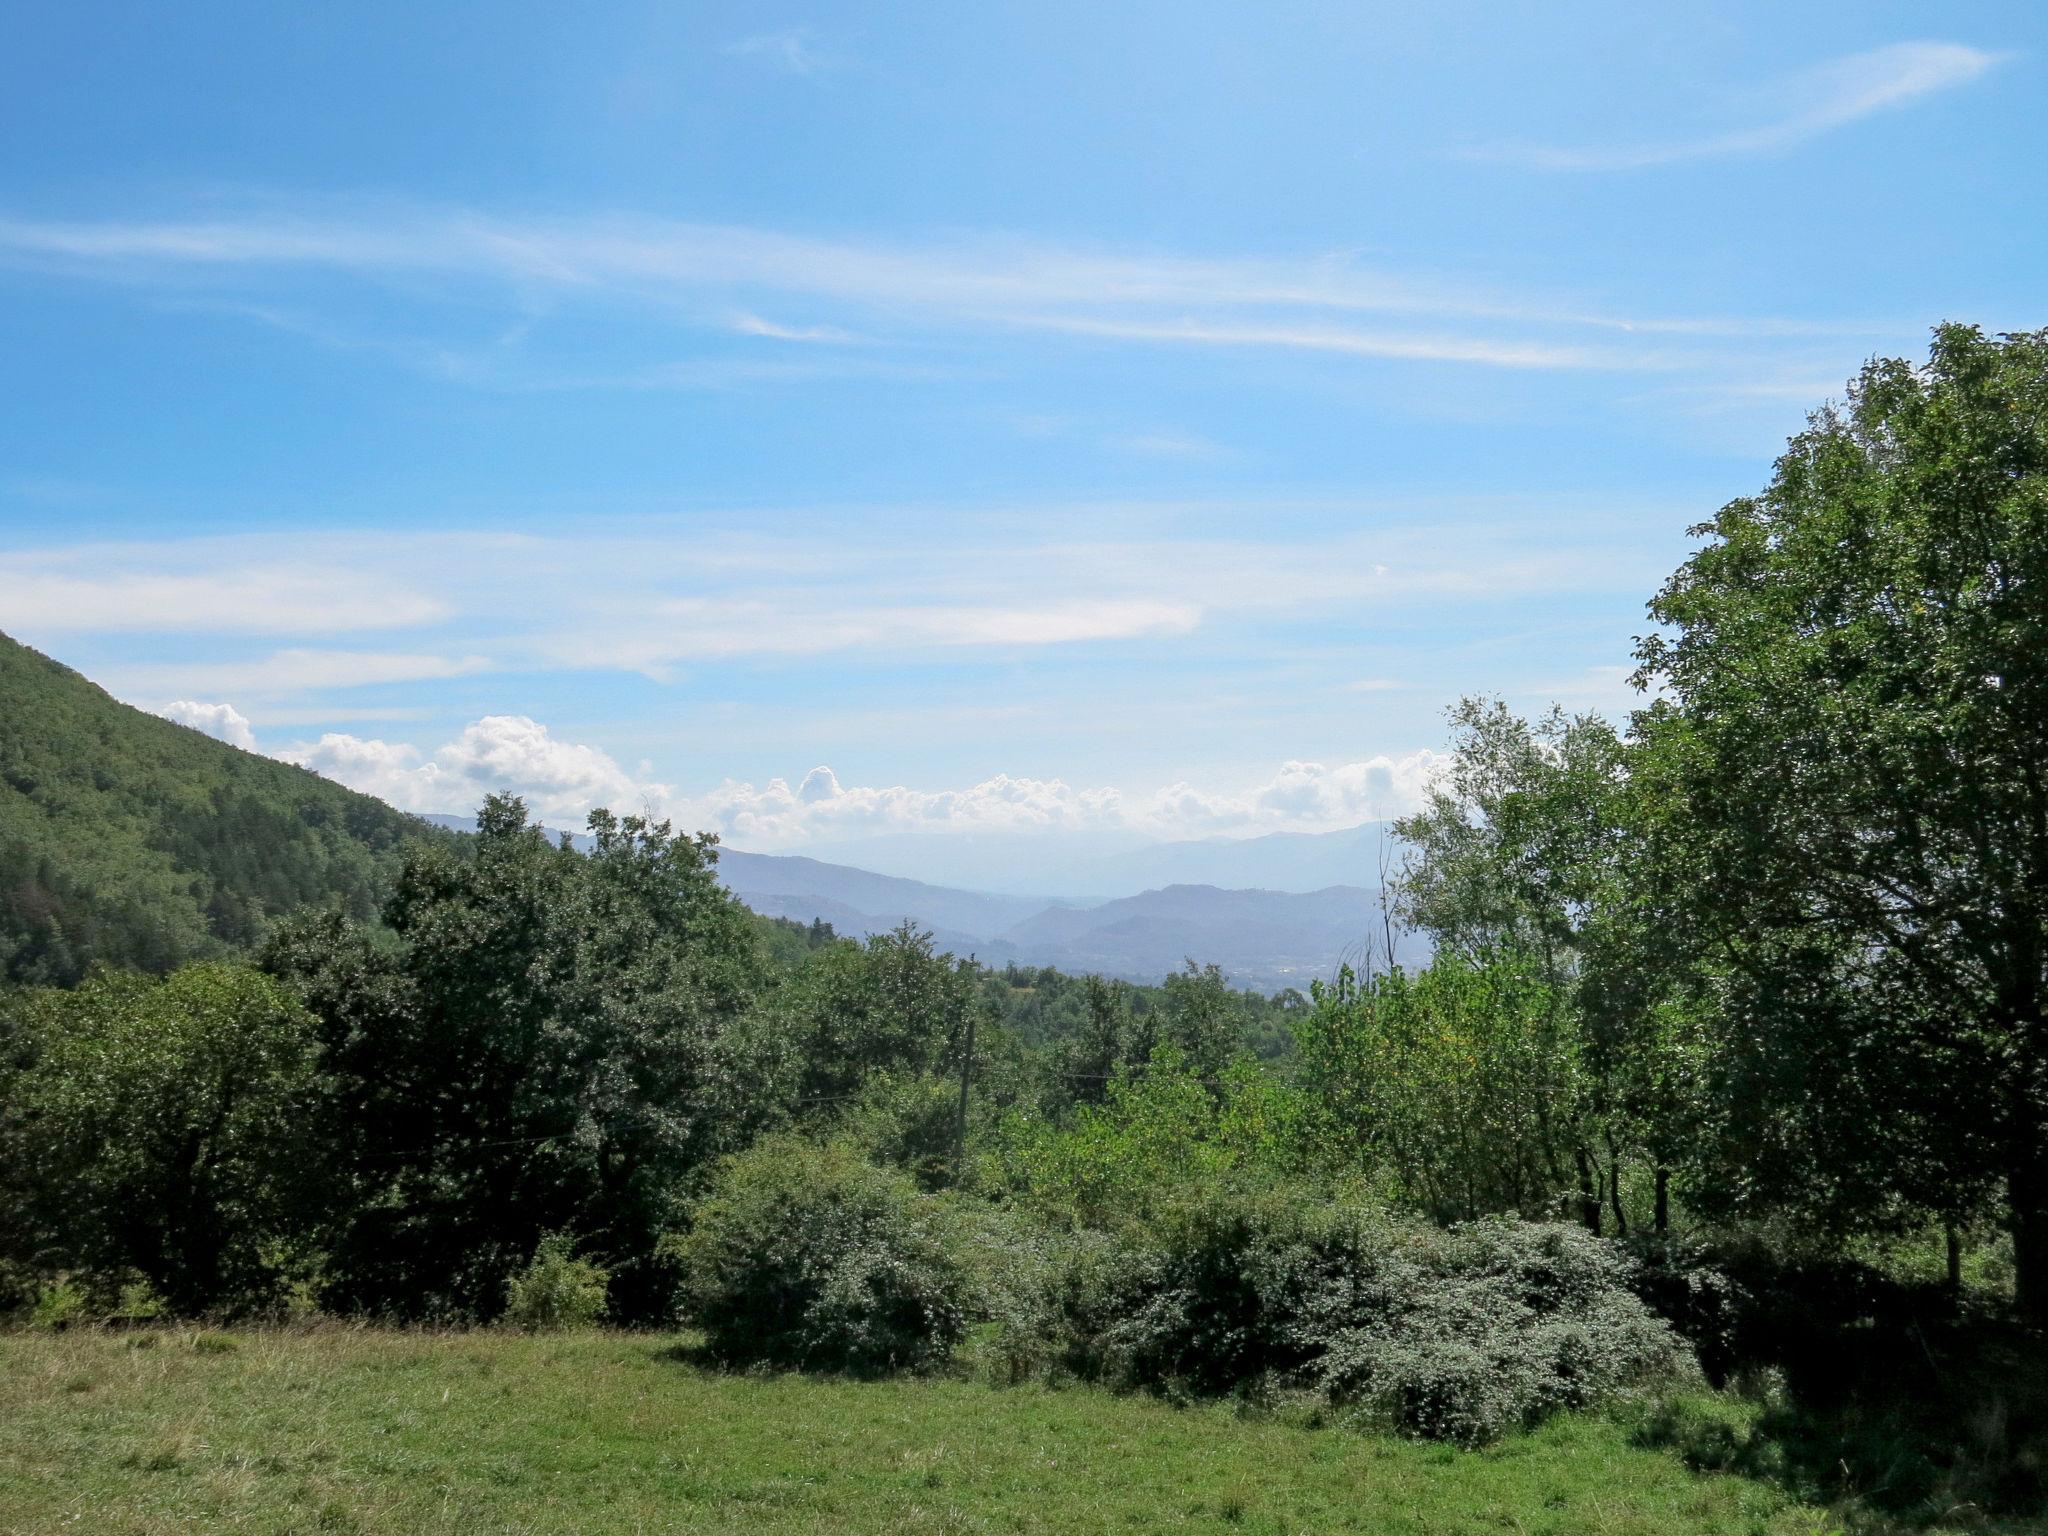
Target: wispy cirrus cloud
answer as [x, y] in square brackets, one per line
[89, 589]
[298, 671]
[753, 325]
[657, 594]
[792, 50]
[722, 280]
[1812, 103]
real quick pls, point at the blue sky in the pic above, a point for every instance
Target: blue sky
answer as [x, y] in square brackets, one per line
[1106, 422]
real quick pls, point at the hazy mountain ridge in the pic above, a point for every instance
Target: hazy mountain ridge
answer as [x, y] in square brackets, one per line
[1265, 939]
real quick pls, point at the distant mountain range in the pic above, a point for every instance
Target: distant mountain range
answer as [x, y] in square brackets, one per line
[1264, 939]
[1031, 864]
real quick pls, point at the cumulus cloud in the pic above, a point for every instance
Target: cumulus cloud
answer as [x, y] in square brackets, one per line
[1299, 797]
[558, 779]
[223, 722]
[563, 780]
[820, 808]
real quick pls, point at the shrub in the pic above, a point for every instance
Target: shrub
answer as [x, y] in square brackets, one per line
[1458, 1335]
[556, 1290]
[809, 1256]
[1492, 1326]
[58, 1305]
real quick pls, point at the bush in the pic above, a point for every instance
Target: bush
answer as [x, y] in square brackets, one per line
[1490, 1327]
[1458, 1335]
[810, 1257]
[58, 1305]
[556, 1290]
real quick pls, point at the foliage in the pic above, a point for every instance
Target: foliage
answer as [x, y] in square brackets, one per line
[852, 1011]
[806, 1255]
[542, 1048]
[127, 840]
[1847, 765]
[1530, 847]
[1160, 1131]
[557, 1289]
[1493, 1325]
[1092, 1024]
[167, 1123]
[1464, 1079]
[58, 1305]
[1458, 1336]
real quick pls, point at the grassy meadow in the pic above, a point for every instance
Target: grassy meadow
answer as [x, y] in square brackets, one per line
[354, 1430]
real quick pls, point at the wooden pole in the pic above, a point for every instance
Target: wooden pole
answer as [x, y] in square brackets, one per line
[960, 1121]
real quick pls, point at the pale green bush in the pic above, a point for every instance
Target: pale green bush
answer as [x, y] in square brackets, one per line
[1459, 1335]
[557, 1289]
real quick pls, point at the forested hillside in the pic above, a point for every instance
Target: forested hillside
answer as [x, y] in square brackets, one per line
[133, 841]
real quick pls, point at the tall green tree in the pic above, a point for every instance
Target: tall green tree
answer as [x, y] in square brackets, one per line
[1529, 848]
[1850, 773]
[542, 1048]
[891, 1005]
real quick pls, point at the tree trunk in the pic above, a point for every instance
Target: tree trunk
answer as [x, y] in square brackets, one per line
[2028, 1192]
[1954, 1242]
[1662, 1217]
[1589, 1195]
[1614, 1188]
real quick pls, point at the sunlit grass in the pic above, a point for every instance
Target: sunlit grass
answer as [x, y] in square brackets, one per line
[348, 1430]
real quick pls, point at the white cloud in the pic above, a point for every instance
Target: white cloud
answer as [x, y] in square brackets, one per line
[296, 671]
[559, 779]
[809, 622]
[1815, 102]
[702, 275]
[68, 591]
[562, 781]
[1401, 346]
[908, 582]
[1301, 796]
[793, 50]
[753, 325]
[221, 721]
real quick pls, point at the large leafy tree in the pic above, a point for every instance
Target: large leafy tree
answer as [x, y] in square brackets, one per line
[1850, 776]
[889, 1006]
[542, 1048]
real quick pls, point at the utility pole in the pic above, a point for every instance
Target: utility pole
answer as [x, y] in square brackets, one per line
[960, 1121]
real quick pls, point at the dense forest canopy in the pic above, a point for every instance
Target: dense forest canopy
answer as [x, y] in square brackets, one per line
[128, 840]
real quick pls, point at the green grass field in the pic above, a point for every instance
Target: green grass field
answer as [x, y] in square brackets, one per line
[366, 1431]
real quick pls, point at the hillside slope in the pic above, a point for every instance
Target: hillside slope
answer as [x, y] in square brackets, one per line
[128, 839]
